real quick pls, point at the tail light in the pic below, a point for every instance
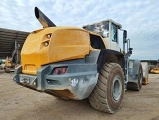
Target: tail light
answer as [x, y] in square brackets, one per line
[60, 70]
[57, 71]
[63, 70]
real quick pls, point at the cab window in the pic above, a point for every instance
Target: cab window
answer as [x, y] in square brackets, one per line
[114, 32]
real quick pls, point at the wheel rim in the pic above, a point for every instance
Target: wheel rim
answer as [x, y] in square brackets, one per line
[117, 88]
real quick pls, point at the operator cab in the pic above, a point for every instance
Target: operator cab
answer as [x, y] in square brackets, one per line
[108, 29]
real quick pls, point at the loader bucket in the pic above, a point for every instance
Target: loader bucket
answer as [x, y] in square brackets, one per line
[145, 73]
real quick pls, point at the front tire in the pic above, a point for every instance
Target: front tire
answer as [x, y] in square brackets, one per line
[108, 94]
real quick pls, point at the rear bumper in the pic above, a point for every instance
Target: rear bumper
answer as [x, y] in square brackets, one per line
[77, 83]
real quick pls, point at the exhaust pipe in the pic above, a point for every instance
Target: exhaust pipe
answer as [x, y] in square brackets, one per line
[43, 19]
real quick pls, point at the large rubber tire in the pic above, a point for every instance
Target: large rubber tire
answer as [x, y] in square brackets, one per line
[136, 86]
[108, 94]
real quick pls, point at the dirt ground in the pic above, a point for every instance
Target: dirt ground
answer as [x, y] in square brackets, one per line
[20, 103]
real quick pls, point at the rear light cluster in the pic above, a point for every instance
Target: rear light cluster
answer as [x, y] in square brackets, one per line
[60, 70]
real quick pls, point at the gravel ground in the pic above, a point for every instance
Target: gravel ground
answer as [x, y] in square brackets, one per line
[20, 103]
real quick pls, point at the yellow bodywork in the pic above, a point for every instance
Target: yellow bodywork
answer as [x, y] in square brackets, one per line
[53, 44]
[155, 70]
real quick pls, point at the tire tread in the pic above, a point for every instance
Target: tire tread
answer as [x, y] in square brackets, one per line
[98, 98]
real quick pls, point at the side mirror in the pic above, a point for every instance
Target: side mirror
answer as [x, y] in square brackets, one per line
[124, 34]
[130, 50]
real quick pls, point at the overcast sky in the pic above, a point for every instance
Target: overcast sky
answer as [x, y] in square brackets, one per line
[139, 17]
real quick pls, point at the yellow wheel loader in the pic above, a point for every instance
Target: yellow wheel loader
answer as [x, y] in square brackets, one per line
[155, 70]
[78, 63]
